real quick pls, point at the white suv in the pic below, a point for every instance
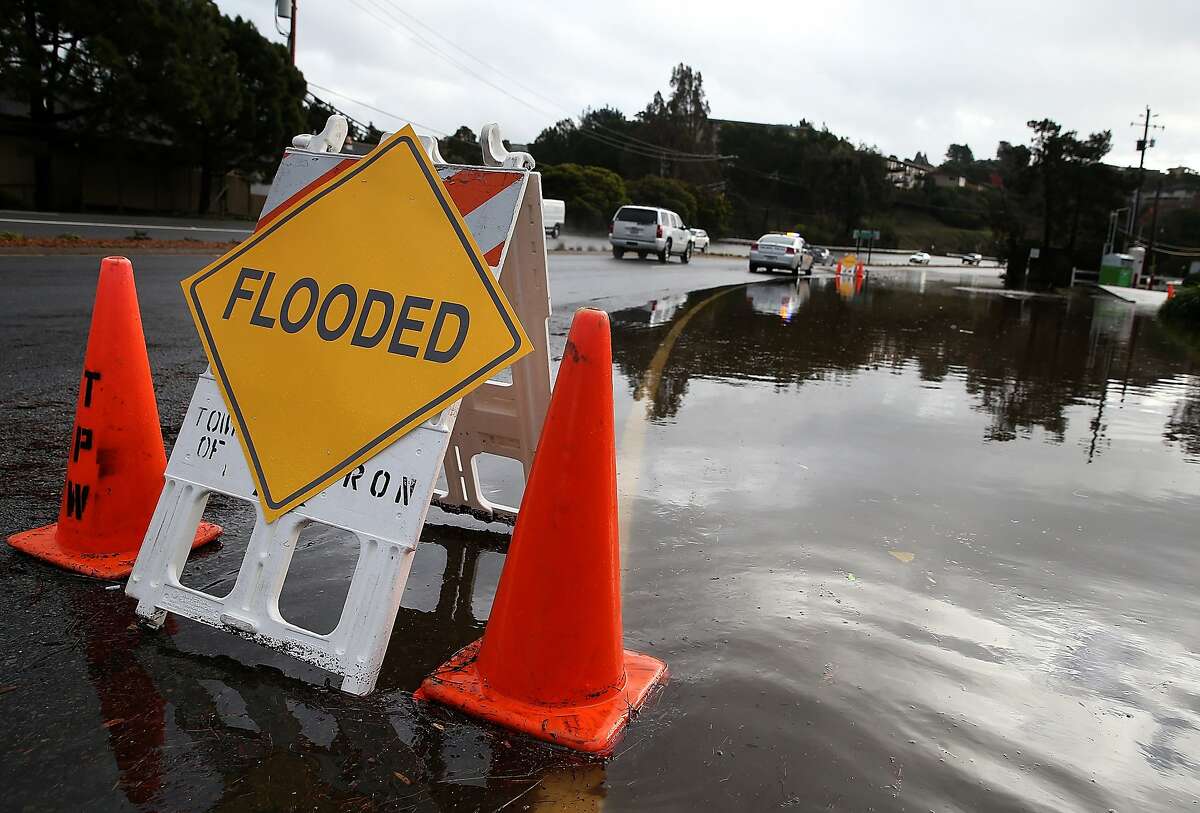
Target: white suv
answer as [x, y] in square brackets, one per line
[650, 230]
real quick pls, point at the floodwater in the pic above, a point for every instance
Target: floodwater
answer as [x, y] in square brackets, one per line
[905, 545]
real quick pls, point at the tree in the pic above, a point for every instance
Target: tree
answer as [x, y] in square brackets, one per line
[67, 62]
[224, 96]
[1009, 212]
[669, 193]
[592, 194]
[1066, 169]
[959, 154]
[177, 72]
[714, 212]
[595, 141]
[680, 123]
[462, 147]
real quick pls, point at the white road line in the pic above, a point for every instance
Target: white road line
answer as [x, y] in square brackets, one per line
[121, 225]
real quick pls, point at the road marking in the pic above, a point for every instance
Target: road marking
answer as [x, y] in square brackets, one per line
[120, 225]
[633, 435]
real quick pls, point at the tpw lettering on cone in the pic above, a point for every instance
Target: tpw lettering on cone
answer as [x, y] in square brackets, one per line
[411, 324]
[115, 459]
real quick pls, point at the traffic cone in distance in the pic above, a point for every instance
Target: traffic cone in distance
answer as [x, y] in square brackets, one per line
[116, 461]
[551, 663]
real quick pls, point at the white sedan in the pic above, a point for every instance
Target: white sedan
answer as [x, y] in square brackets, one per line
[920, 258]
[700, 243]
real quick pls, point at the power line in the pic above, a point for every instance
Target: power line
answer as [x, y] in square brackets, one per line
[620, 140]
[396, 116]
[617, 134]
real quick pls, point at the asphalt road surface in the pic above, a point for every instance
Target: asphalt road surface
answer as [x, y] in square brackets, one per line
[115, 227]
[907, 542]
[52, 224]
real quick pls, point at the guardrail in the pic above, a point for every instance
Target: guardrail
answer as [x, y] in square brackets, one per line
[1082, 276]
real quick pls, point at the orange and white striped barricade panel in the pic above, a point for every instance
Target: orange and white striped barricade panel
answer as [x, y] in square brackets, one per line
[503, 209]
[382, 503]
[505, 419]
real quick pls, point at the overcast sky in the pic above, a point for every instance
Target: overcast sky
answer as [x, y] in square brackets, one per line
[902, 76]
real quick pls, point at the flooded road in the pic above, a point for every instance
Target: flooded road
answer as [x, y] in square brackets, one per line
[909, 544]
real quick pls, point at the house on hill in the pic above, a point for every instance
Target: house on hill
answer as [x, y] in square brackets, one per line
[907, 174]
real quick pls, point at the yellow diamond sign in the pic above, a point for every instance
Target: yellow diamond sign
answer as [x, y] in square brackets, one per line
[361, 310]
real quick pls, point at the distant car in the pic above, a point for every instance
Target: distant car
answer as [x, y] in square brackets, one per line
[972, 259]
[554, 214]
[821, 256]
[781, 251]
[920, 258]
[700, 240]
[650, 230]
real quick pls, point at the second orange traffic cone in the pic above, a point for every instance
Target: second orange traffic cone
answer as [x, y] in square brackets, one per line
[116, 461]
[551, 663]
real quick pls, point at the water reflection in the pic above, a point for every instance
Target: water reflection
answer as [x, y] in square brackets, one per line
[1025, 362]
[916, 550]
[865, 534]
[779, 300]
[184, 720]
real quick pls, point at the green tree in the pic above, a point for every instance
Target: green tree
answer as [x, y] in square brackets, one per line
[1061, 161]
[959, 154]
[462, 147]
[129, 71]
[714, 212]
[680, 124]
[67, 61]
[598, 139]
[669, 193]
[592, 194]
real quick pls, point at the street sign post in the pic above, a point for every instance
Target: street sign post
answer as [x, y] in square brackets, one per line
[372, 277]
[869, 236]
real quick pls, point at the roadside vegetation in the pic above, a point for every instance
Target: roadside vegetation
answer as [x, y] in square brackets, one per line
[1183, 309]
[1053, 192]
[213, 94]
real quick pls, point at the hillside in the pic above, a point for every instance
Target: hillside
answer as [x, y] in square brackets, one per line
[908, 228]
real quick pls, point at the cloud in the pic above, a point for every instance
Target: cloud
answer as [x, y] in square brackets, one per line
[909, 76]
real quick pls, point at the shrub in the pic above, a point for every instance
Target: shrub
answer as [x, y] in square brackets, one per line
[1184, 308]
[592, 194]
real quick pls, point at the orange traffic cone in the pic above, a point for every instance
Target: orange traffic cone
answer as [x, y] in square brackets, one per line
[116, 460]
[551, 663]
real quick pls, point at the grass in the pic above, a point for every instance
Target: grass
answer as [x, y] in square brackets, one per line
[915, 230]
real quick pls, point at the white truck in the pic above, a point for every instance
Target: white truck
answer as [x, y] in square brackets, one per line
[554, 214]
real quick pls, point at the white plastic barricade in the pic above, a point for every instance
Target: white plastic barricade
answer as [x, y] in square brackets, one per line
[383, 504]
[385, 501]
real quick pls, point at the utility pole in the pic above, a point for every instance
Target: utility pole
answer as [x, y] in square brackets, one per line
[292, 33]
[1143, 144]
[1154, 230]
[287, 10]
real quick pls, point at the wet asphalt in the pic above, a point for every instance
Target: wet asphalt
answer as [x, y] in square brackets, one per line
[906, 543]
